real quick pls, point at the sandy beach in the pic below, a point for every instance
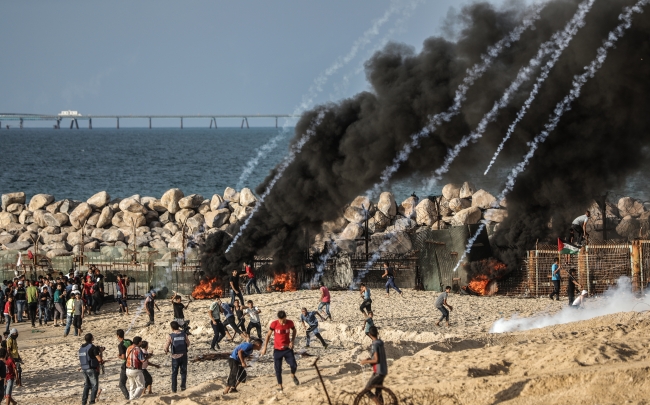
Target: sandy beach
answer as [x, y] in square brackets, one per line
[603, 360]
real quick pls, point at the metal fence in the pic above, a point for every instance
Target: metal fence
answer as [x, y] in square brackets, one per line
[597, 266]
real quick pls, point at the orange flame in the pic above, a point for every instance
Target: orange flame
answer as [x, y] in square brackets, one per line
[284, 282]
[486, 284]
[208, 288]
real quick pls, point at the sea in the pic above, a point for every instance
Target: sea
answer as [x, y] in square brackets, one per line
[77, 163]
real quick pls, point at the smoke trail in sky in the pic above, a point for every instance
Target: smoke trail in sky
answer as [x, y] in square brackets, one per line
[135, 318]
[556, 45]
[373, 259]
[473, 73]
[615, 300]
[470, 243]
[565, 104]
[295, 149]
[317, 87]
[332, 249]
[578, 82]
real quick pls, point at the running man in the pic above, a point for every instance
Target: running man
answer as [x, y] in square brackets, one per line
[369, 323]
[325, 300]
[366, 305]
[389, 273]
[312, 322]
[229, 319]
[219, 330]
[253, 313]
[237, 362]
[378, 361]
[252, 280]
[282, 346]
[555, 278]
[441, 302]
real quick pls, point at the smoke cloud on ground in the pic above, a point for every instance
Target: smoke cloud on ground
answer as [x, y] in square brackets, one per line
[600, 141]
[617, 299]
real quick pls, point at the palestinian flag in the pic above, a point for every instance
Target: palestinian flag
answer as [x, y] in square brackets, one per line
[566, 249]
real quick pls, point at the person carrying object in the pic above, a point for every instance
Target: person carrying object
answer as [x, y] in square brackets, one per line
[556, 278]
[237, 363]
[253, 313]
[571, 286]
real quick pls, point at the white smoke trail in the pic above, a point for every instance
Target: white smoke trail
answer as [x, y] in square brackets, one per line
[135, 318]
[293, 152]
[473, 73]
[555, 45]
[578, 81]
[332, 249]
[317, 87]
[470, 243]
[406, 13]
[615, 300]
[564, 105]
[373, 259]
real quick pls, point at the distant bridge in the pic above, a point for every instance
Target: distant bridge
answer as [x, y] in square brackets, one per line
[74, 119]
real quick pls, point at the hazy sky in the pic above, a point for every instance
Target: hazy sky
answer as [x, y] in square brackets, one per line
[196, 57]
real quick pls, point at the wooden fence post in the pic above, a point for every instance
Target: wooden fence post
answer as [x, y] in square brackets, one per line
[636, 265]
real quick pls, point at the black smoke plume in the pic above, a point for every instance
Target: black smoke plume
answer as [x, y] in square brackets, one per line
[601, 141]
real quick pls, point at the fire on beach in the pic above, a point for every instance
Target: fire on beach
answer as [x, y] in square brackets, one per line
[485, 282]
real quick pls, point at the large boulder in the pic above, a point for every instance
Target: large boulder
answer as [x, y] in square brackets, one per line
[482, 199]
[351, 232]
[136, 218]
[15, 228]
[58, 219]
[195, 222]
[336, 226]
[458, 204]
[172, 228]
[7, 218]
[450, 191]
[80, 214]
[426, 212]
[67, 206]
[628, 228]
[133, 206]
[468, 216]
[379, 222]
[12, 198]
[112, 235]
[157, 206]
[495, 215]
[46, 238]
[363, 203]
[105, 218]
[467, 190]
[192, 201]
[26, 217]
[629, 206]
[151, 216]
[407, 207]
[167, 217]
[15, 208]
[118, 220]
[57, 253]
[183, 215]
[6, 237]
[56, 246]
[204, 208]
[402, 224]
[230, 194]
[217, 202]
[40, 201]
[75, 238]
[247, 198]
[354, 215]
[99, 200]
[27, 236]
[18, 245]
[387, 204]
[158, 244]
[54, 207]
[39, 218]
[171, 198]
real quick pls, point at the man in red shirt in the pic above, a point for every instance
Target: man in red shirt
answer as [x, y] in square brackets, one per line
[252, 280]
[10, 378]
[325, 300]
[282, 346]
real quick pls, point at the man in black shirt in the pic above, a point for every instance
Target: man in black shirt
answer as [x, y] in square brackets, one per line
[235, 291]
[571, 286]
[121, 351]
[389, 273]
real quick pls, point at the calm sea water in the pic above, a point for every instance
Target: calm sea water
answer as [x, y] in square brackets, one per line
[78, 163]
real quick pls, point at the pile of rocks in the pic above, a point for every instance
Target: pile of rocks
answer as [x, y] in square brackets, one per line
[389, 223]
[58, 225]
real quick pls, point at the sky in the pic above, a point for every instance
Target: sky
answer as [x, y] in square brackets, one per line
[198, 57]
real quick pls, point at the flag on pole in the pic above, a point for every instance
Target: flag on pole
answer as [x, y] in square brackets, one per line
[566, 249]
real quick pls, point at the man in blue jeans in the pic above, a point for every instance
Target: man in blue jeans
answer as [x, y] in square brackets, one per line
[389, 273]
[440, 303]
[235, 291]
[177, 343]
[90, 357]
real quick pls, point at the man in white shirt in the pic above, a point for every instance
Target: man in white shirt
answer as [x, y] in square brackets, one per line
[579, 228]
